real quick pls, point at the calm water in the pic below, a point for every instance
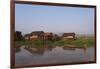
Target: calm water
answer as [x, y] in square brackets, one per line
[51, 55]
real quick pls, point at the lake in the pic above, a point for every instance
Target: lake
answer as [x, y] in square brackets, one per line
[52, 55]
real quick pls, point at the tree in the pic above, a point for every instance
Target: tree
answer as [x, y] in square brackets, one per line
[56, 37]
[18, 35]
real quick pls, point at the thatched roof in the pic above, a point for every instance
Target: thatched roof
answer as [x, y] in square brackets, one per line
[48, 34]
[68, 34]
[26, 35]
[37, 33]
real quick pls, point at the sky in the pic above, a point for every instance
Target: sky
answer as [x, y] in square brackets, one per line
[54, 19]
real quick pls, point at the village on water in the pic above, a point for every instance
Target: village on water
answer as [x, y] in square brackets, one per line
[39, 38]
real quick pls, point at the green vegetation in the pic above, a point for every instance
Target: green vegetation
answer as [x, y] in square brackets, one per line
[83, 41]
[79, 42]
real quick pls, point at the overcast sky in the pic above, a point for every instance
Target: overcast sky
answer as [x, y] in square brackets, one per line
[54, 19]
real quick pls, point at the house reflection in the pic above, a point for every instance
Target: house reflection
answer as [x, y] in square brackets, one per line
[38, 50]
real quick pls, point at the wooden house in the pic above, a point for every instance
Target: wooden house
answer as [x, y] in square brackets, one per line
[68, 36]
[36, 35]
[27, 37]
[48, 36]
[39, 35]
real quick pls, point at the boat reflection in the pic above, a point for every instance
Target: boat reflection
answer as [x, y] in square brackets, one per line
[68, 48]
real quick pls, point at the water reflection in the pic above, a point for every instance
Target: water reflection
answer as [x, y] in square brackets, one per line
[42, 49]
[52, 54]
[17, 49]
[38, 50]
[68, 48]
[35, 50]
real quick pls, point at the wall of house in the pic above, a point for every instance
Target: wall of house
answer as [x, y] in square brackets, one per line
[68, 37]
[26, 38]
[33, 37]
